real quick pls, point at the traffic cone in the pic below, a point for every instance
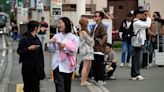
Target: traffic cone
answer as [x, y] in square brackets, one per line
[52, 75]
[73, 75]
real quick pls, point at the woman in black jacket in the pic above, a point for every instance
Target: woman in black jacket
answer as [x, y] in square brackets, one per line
[31, 57]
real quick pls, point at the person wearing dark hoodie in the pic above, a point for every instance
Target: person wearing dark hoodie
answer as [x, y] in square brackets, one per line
[32, 59]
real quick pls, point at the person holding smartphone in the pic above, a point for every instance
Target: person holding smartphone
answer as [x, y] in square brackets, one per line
[32, 59]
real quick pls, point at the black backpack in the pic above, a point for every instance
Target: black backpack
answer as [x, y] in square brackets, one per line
[130, 31]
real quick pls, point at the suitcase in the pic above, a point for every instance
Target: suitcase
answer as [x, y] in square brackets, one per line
[160, 43]
[145, 60]
[159, 53]
[159, 58]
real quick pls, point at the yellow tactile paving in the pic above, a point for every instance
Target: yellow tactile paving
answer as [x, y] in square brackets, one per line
[19, 88]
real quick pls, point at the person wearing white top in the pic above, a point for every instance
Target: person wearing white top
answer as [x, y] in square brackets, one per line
[65, 46]
[140, 26]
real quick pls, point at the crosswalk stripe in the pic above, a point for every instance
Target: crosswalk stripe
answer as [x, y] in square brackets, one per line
[95, 88]
[19, 88]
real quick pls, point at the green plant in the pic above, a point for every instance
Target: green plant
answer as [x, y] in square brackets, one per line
[117, 44]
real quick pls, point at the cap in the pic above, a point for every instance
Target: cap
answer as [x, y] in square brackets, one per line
[139, 10]
[129, 15]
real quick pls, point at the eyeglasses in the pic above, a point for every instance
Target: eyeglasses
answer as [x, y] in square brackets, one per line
[96, 16]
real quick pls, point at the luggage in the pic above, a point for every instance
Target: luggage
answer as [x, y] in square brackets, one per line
[160, 43]
[159, 53]
[159, 58]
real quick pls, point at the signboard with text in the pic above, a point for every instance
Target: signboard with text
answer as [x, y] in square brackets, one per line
[56, 7]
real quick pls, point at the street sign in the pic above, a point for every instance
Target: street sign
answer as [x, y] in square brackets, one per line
[56, 7]
[39, 5]
[24, 12]
[7, 1]
[20, 3]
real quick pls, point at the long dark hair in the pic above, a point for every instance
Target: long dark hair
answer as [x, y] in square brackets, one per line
[158, 14]
[67, 23]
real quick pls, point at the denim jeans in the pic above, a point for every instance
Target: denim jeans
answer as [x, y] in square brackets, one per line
[136, 61]
[15, 35]
[151, 50]
[126, 48]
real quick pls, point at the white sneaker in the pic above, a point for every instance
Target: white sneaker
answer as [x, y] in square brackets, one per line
[129, 65]
[122, 64]
[139, 77]
[112, 78]
[133, 78]
[101, 82]
[150, 65]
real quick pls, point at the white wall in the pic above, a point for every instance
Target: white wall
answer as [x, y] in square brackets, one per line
[99, 3]
[156, 5]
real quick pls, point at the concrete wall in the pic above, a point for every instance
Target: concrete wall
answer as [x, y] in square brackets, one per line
[100, 4]
[156, 5]
[73, 16]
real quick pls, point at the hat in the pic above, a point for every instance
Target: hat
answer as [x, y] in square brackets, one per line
[129, 15]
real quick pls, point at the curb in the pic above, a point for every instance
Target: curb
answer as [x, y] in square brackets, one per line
[7, 73]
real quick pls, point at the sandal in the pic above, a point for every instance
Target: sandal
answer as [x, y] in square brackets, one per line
[86, 84]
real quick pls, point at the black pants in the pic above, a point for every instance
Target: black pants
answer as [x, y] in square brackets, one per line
[98, 67]
[30, 79]
[136, 61]
[62, 81]
[110, 73]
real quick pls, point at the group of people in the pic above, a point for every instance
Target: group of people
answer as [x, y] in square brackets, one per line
[98, 58]
[94, 50]
[148, 29]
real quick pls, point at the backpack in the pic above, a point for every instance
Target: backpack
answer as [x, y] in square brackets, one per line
[130, 31]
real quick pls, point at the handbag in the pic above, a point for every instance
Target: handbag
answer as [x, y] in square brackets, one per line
[136, 41]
